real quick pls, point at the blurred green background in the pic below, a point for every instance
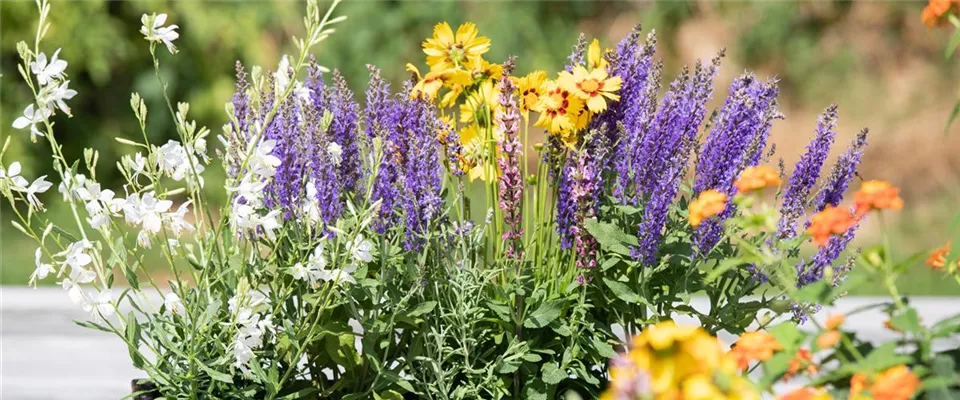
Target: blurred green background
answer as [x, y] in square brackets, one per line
[875, 59]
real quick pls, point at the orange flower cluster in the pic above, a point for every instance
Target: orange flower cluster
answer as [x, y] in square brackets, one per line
[831, 221]
[897, 383]
[832, 336]
[807, 394]
[758, 177]
[708, 204]
[803, 359]
[754, 346]
[938, 259]
[935, 9]
[877, 195]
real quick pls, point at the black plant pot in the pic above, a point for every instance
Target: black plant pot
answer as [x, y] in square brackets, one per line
[147, 390]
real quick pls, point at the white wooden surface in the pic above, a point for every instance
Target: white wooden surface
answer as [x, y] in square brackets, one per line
[45, 356]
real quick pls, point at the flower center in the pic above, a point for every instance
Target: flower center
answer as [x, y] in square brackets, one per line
[589, 85]
[456, 53]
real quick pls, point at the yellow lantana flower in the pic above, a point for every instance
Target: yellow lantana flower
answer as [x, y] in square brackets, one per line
[530, 88]
[593, 87]
[446, 50]
[558, 109]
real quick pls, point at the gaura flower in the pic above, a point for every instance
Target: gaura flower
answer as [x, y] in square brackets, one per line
[831, 221]
[710, 203]
[938, 258]
[558, 109]
[480, 105]
[757, 177]
[877, 195]
[896, 383]
[754, 346]
[802, 359]
[828, 339]
[530, 88]
[446, 50]
[593, 87]
[807, 394]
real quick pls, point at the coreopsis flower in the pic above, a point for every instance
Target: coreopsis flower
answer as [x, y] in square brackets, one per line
[446, 50]
[831, 221]
[708, 204]
[592, 87]
[896, 383]
[31, 117]
[530, 88]
[803, 359]
[47, 71]
[558, 110]
[807, 394]
[828, 339]
[938, 258]
[754, 346]
[757, 177]
[154, 31]
[877, 195]
[480, 70]
[481, 105]
[668, 361]
[595, 58]
[430, 84]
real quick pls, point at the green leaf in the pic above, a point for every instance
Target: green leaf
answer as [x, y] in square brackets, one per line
[623, 292]
[423, 308]
[952, 44]
[907, 321]
[552, 375]
[953, 115]
[884, 357]
[604, 349]
[544, 315]
[610, 236]
[92, 325]
[216, 375]
[133, 340]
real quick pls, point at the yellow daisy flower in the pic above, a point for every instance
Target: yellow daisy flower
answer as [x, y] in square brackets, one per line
[480, 104]
[482, 69]
[530, 88]
[595, 56]
[446, 50]
[593, 87]
[429, 85]
[558, 109]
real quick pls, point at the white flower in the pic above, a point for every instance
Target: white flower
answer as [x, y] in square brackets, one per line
[154, 31]
[38, 186]
[177, 221]
[55, 95]
[71, 183]
[313, 270]
[172, 160]
[42, 270]
[338, 275]
[31, 118]
[136, 164]
[335, 152]
[269, 223]
[173, 304]
[102, 306]
[12, 174]
[261, 161]
[45, 71]
[301, 92]
[282, 76]
[252, 299]
[311, 207]
[145, 211]
[361, 249]
[249, 190]
[75, 255]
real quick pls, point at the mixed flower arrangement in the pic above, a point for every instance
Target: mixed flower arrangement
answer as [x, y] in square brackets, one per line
[350, 260]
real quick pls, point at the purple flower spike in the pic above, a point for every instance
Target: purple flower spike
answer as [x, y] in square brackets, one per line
[511, 180]
[806, 173]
